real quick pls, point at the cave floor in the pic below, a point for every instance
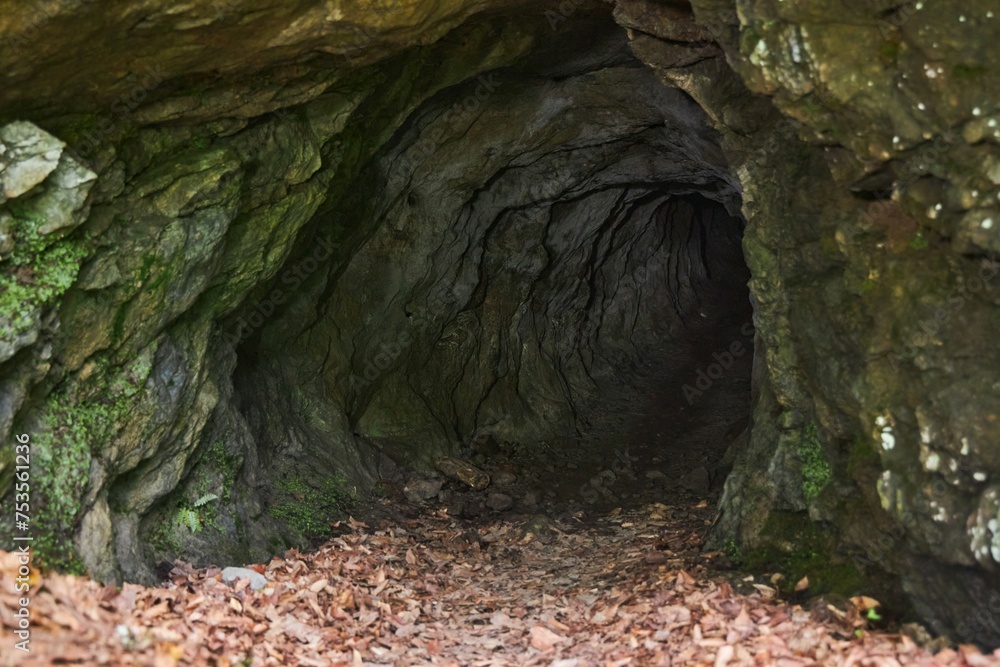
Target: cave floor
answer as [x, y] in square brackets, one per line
[411, 585]
[592, 555]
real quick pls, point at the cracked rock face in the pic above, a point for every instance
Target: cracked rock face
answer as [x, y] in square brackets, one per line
[269, 253]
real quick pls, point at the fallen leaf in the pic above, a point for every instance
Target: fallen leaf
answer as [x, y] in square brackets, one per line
[544, 639]
[864, 603]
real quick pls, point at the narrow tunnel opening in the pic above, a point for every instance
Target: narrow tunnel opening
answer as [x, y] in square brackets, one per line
[540, 275]
[672, 406]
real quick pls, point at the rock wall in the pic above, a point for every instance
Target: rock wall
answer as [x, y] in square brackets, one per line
[258, 255]
[864, 140]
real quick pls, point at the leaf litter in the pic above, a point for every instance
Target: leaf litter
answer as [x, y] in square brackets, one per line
[627, 588]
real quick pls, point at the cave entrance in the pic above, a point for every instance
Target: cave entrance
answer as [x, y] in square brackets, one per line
[546, 278]
[676, 407]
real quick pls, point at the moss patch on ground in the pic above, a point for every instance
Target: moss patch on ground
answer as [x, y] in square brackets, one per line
[311, 508]
[798, 547]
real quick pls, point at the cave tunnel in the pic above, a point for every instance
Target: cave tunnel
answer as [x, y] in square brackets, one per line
[543, 269]
[263, 265]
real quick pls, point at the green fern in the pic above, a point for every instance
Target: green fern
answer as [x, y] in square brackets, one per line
[188, 517]
[207, 498]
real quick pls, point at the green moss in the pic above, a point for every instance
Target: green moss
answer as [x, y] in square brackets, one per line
[732, 549]
[308, 509]
[72, 431]
[965, 72]
[862, 457]
[816, 471]
[919, 242]
[63, 452]
[889, 51]
[795, 546]
[163, 538]
[38, 271]
[225, 466]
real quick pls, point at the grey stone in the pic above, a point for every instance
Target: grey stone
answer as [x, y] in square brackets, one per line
[418, 490]
[698, 480]
[499, 502]
[29, 155]
[257, 580]
[504, 478]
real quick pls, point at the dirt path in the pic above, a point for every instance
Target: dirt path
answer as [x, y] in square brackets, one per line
[420, 588]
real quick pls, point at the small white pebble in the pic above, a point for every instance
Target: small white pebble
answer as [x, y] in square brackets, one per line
[920, 105]
[979, 476]
[965, 446]
[919, 6]
[937, 207]
[961, 19]
[987, 223]
[992, 122]
[977, 111]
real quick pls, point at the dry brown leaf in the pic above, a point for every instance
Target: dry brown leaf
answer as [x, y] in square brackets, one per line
[544, 639]
[864, 603]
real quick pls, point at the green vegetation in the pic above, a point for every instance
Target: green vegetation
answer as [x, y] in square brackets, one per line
[919, 242]
[310, 510]
[732, 549]
[38, 271]
[224, 465]
[190, 517]
[63, 452]
[889, 51]
[73, 429]
[816, 471]
[969, 72]
[797, 547]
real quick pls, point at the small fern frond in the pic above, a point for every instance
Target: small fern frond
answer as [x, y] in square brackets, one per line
[207, 498]
[188, 517]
